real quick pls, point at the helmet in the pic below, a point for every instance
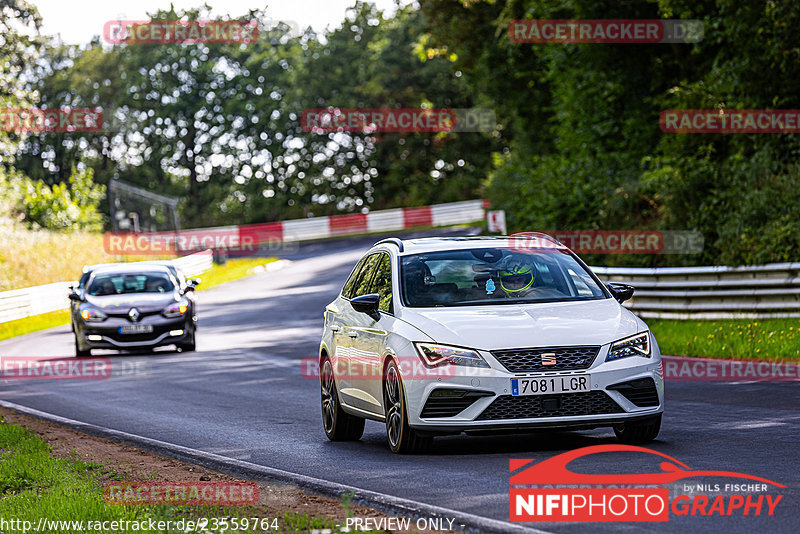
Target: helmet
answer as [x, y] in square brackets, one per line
[516, 275]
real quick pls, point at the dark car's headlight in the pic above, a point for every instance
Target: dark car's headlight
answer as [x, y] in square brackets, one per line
[638, 345]
[435, 355]
[92, 315]
[176, 309]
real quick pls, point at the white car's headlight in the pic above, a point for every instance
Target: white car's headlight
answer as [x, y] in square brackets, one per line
[92, 315]
[434, 355]
[638, 345]
[176, 309]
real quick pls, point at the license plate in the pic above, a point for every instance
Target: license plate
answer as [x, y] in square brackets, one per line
[551, 384]
[136, 329]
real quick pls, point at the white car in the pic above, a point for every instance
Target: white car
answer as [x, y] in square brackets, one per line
[447, 335]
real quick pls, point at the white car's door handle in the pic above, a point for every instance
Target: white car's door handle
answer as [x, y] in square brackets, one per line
[353, 334]
[335, 328]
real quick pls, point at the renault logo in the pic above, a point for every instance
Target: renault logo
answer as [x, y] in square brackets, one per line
[548, 358]
[133, 315]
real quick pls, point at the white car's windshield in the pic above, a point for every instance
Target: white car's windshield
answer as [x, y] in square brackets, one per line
[494, 276]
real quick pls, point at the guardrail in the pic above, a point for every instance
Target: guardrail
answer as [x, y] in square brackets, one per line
[19, 303]
[714, 292]
[28, 301]
[195, 264]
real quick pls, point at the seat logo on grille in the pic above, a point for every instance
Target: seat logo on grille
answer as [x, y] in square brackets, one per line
[548, 358]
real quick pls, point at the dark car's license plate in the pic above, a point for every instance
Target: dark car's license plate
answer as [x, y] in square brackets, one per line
[136, 329]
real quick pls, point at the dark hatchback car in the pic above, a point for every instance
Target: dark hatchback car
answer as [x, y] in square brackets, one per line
[128, 307]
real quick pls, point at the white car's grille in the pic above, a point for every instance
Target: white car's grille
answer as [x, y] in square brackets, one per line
[547, 358]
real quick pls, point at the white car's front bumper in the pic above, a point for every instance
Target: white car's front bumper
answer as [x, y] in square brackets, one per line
[488, 403]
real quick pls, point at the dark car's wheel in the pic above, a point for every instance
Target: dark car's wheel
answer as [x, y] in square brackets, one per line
[339, 425]
[640, 431]
[189, 346]
[402, 438]
[81, 353]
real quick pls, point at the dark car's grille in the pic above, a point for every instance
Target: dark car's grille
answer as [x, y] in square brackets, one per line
[114, 334]
[561, 405]
[530, 360]
[641, 392]
[450, 402]
[132, 338]
[142, 314]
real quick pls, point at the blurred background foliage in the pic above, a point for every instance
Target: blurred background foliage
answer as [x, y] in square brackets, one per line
[577, 145]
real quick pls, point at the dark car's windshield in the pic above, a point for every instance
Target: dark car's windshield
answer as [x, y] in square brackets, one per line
[121, 283]
[494, 276]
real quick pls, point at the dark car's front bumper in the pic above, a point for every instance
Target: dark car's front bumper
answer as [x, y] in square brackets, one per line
[106, 334]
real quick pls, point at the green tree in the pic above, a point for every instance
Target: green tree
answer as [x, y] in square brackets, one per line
[68, 206]
[220, 124]
[19, 44]
[585, 149]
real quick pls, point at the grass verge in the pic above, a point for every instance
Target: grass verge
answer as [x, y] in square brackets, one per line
[735, 339]
[36, 485]
[233, 269]
[26, 325]
[35, 257]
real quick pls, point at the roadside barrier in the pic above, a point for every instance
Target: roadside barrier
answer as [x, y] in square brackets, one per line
[248, 238]
[713, 292]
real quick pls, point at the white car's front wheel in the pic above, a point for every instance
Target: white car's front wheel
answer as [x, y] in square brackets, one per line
[402, 438]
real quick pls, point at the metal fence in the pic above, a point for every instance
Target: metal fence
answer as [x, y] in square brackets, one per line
[21, 303]
[751, 292]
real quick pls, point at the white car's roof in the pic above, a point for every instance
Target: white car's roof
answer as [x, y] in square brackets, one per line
[434, 244]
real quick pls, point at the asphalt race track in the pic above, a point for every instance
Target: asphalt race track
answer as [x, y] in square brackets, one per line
[242, 395]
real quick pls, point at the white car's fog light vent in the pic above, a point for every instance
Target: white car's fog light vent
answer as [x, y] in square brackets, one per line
[641, 392]
[448, 402]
